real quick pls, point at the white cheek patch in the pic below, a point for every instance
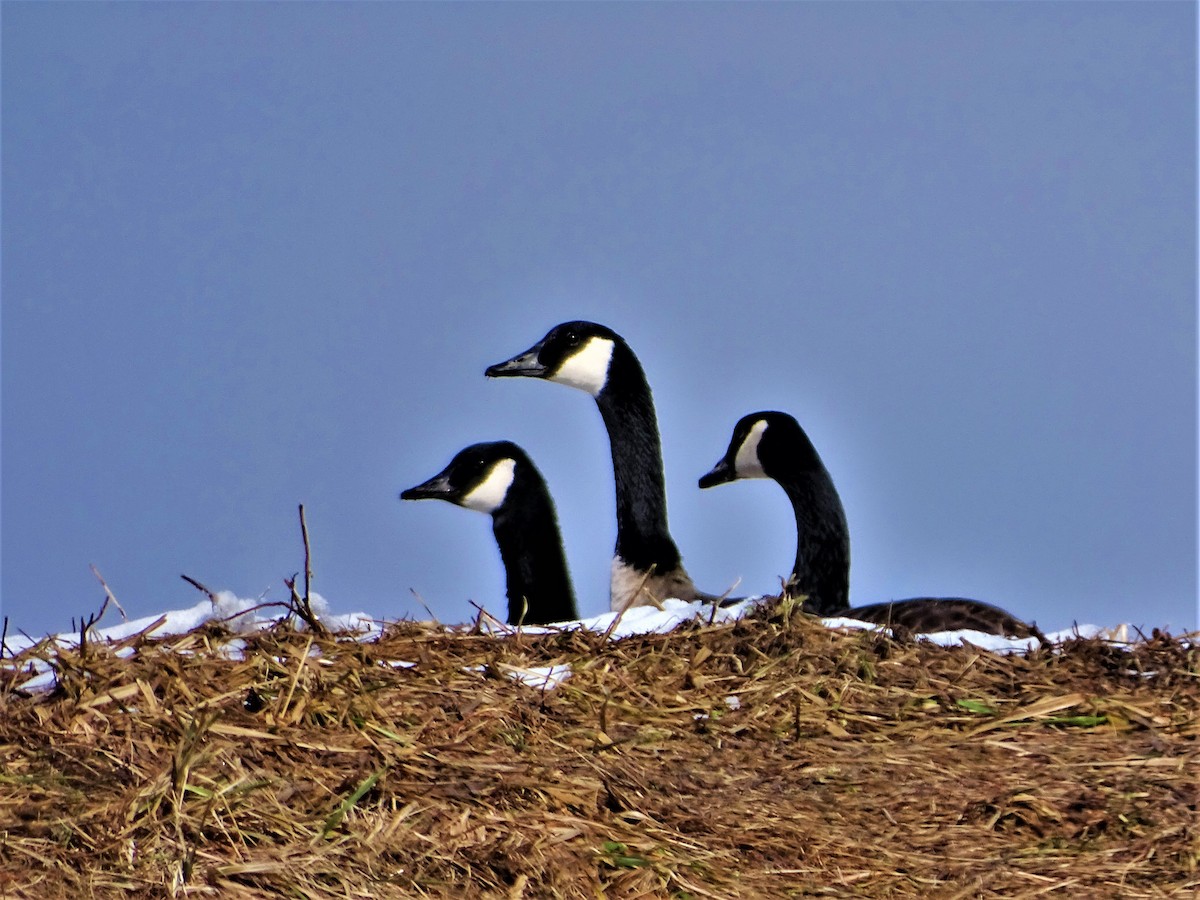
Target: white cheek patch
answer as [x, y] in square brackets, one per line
[489, 494]
[746, 464]
[587, 367]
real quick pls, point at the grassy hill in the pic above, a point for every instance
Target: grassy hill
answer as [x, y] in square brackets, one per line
[772, 757]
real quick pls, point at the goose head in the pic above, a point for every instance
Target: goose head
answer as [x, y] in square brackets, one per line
[479, 477]
[498, 478]
[764, 445]
[577, 354]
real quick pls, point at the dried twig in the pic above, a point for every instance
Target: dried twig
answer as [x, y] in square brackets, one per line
[308, 572]
[482, 613]
[432, 617]
[719, 601]
[109, 597]
[303, 605]
[200, 587]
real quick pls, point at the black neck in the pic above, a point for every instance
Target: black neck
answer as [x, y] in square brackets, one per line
[539, 587]
[822, 567]
[627, 407]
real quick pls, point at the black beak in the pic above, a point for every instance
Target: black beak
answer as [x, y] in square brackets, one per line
[722, 473]
[436, 488]
[522, 364]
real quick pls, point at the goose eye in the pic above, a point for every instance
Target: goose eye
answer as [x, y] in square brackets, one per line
[572, 338]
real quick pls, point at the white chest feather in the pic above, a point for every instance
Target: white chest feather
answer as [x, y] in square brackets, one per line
[632, 587]
[489, 494]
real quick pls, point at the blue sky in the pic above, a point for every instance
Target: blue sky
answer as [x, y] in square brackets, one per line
[260, 254]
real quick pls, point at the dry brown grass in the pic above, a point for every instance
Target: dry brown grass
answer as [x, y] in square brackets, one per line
[856, 765]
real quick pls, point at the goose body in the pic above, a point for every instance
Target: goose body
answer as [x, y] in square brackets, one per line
[925, 615]
[647, 566]
[499, 479]
[773, 445]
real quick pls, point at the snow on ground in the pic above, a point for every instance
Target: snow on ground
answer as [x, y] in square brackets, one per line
[240, 615]
[245, 616]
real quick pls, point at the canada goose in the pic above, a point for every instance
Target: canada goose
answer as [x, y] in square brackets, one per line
[773, 445]
[498, 478]
[822, 568]
[647, 566]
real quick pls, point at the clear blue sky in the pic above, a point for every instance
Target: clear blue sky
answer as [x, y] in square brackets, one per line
[260, 254]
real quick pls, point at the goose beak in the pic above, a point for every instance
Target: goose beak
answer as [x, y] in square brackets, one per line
[436, 488]
[522, 364]
[722, 473]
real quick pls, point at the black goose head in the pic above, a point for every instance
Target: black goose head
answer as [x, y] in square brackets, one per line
[764, 445]
[577, 354]
[477, 478]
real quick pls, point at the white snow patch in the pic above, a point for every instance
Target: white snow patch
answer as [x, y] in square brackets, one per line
[993, 642]
[240, 615]
[542, 677]
[639, 619]
[245, 616]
